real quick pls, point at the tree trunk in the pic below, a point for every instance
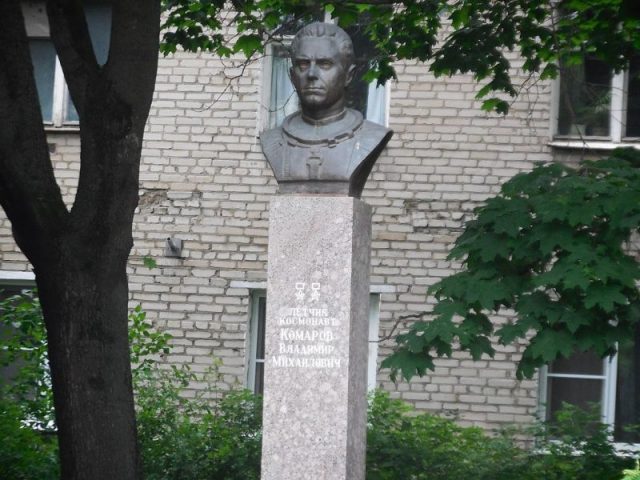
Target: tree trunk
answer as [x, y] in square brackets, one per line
[86, 315]
[79, 255]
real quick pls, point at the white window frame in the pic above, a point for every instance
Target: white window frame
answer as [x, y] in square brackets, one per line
[374, 340]
[252, 337]
[17, 278]
[264, 113]
[37, 26]
[609, 380]
[617, 119]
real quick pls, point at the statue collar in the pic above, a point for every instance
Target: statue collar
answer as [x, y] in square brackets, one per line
[297, 131]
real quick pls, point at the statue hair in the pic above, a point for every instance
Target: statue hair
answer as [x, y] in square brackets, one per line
[320, 29]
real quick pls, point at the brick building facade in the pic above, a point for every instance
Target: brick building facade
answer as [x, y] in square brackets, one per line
[204, 181]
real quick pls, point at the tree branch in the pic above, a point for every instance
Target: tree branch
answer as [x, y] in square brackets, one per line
[70, 35]
[133, 53]
[403, 319]
[29, 193]
[117, 107]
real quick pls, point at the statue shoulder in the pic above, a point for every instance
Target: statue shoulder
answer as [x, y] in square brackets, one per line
[272, 142]
[375, 129]
[374, 136]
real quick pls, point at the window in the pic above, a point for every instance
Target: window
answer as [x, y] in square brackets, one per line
[255, 370]
[12, 283]
[584, 379]
[281, 100]
[55, 102]
[595, 103]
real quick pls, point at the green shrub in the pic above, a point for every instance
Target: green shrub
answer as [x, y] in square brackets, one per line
[24, 347]
[426, 447]
[417, 447]
[193, 439]
[190, 439]
[575, 445]
[632, 474]
[184, 439]
[25, 454]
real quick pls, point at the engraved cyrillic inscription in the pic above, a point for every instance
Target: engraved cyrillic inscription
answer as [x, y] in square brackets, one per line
[306, 333]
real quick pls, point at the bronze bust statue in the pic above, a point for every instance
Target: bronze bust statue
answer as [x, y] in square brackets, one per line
[325, 148]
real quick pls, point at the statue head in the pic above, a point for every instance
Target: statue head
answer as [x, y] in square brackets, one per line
[322, 67]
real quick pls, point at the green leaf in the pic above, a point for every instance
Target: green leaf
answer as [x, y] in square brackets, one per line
[149, 262]
[549, 345]
[605, 296]
[408, 363]
[248, 44]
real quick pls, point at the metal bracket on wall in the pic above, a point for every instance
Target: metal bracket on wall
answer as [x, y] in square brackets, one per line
[173, 248]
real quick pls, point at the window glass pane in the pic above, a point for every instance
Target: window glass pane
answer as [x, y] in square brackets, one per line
[262, 320]
[99, 22]
[633, 99]
[358, 92]
[585, 99]
[576, 391]
[256, 359]
[43, 56]
[258, 384]
[72, 113]
[583, 363]
[284, 100]
[628, 390]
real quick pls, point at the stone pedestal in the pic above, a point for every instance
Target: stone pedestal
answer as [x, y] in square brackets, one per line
[316, 339]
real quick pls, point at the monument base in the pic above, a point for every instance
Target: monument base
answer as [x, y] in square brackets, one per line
[314, 417]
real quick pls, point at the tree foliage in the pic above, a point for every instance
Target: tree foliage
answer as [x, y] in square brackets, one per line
[478, 34]
[23, 346]
[79, 254]
[553, 246]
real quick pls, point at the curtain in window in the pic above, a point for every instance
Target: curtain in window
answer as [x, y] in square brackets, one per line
[43, 57]
[376, 103]
[284, 101]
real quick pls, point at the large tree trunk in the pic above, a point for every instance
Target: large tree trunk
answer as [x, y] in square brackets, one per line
[79, 255]
[86, 310]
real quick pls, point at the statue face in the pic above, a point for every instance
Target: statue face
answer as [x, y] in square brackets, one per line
[320, 77]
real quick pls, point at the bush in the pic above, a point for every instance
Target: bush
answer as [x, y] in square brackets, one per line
[191, 439]
[24, 347]
[426, 447]
[25, 454]
[576, 446]
[184, 439]
[402, 446]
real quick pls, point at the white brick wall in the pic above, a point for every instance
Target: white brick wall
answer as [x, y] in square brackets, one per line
[204, 180]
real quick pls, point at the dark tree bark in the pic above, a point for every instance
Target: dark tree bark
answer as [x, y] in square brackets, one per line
[79, 255]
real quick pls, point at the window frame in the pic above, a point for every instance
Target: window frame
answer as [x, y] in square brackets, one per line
[617, 119]
[609, 378]
[37, 26]
[16, 278]
[252, 338]
[61, 98]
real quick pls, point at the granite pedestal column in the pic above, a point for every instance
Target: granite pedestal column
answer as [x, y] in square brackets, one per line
[316, 339]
